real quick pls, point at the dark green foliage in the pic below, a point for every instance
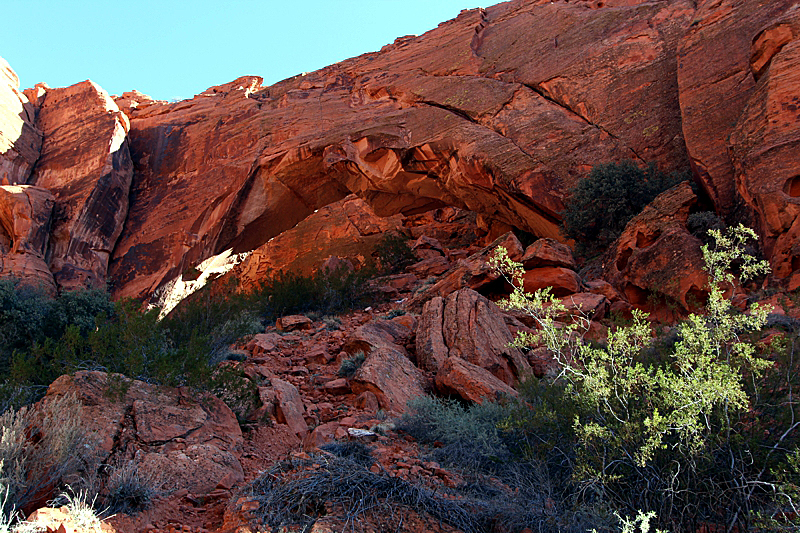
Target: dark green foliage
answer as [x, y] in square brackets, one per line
[234, 388]
[355, 451]
[601, 205]
[701, 222]
[325, 292]
[350, 365]
[516, 458]
[394, 253]
[24, 311]
[83, 330]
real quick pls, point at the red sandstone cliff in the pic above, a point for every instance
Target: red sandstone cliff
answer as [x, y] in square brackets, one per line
[498, 111]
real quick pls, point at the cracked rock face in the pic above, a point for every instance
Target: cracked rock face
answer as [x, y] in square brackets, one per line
[481, 113]
[86, 165]
[717, 80]
[25, 214]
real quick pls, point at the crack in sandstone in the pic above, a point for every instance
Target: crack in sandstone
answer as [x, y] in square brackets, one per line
[543, 93]
[465, 116]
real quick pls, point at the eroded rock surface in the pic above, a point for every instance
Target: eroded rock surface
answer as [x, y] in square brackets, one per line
[86, 165]
[765, 143]
[25, 214]
[182, 440]
[468, 326]
[716, 80]
[657, 257]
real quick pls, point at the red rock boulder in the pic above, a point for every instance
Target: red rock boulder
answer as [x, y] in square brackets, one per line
[178, 438]
[468, 326]
[657, 258]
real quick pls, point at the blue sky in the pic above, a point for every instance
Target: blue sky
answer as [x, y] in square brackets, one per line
[170, 49]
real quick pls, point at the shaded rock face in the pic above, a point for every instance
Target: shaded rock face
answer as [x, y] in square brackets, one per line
[344, 229]
[656, 256]
[716, 81]
[20, 141]
[179, 439]
[453, 117]
[25, 214]
[86, 164]
[765, 143]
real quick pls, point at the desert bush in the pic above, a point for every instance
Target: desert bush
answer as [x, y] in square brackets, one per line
[680, 435]
[599, 207]
[325, 292]
[230, 385]
[350, 365]
[515, 458]
[355, 451]
[699, 224]
[394, 253]
[468, 437]
[39, 450]
[291, 494]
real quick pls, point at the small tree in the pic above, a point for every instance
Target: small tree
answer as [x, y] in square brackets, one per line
[668, 433]
[601, 205]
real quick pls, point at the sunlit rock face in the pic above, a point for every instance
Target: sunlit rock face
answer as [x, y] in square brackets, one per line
[498, 111]
[86, 165]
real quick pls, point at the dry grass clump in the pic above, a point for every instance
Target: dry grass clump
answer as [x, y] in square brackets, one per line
[39, 450]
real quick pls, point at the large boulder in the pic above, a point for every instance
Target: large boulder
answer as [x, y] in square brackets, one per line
[468, 326]
[657, 257]
[470, 382]
[181, 439]
[387, 371]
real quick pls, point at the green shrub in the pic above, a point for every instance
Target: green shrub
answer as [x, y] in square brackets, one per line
[599, 207]
[325, 292]
[237, 391]
[681, 434]
[394, 253]
[350, 365]
[468, 437]
[699, 224]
